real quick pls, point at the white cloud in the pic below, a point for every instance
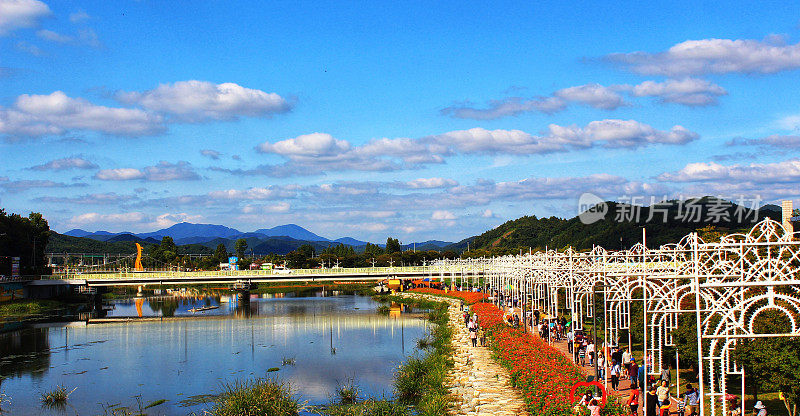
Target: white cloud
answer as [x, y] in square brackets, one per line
[487, 214]
[442, 215]
[715, 56]
[94, 217]
[594, 95]
[307, 145]
[320, 152]
[65, 164]
[688, 91]
[79, 16]
[761, 173]
[212, 154]
[163, 171]
[431, 183]
[168, 220]
[56, 113]
[53, 36]
[16, 14]
[280, 207]
[199, 101]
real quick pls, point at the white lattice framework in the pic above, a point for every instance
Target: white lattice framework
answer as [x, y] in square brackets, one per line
[726, 285]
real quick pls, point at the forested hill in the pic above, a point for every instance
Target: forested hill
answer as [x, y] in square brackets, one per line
[614, 233]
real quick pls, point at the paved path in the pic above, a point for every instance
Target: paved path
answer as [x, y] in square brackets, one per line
[478, 384]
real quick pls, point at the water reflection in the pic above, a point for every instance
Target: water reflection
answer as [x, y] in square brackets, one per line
[172, 356]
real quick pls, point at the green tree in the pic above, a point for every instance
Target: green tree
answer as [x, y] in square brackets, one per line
[240, 247]
[25, 238]
[392, 245]
[301, 257]
[221, 254]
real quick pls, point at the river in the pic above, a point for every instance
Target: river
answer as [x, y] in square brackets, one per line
[315, 342]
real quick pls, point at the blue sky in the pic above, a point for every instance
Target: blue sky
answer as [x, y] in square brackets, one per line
[407, 119]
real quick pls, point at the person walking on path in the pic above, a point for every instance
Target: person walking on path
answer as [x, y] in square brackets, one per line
[633, 400]
[473, 335]
[536, 317]
[691, 400]
[633, 372]
[590, 352]
[570, 338]
[651, 402]
[663, 393]
[614, 375]
[626, 362]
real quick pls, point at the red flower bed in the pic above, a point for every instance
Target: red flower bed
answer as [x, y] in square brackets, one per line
[468, 297]
[543, 374]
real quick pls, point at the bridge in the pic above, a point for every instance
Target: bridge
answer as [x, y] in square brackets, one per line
[366, 274]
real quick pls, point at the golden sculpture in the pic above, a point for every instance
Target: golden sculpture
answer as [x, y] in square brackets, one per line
[138, 265]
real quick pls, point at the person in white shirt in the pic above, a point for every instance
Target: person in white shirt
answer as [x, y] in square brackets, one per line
[590, 352]
[626, 362]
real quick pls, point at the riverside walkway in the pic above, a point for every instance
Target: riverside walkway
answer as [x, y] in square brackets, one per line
[478, 384]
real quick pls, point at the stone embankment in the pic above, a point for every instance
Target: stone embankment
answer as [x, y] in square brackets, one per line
[478, 384]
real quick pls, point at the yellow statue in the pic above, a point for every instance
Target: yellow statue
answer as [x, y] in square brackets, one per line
[138, 265]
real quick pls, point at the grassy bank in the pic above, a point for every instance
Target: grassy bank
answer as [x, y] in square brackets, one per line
[29, 307]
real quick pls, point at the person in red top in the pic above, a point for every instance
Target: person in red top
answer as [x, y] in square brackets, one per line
[633, 399]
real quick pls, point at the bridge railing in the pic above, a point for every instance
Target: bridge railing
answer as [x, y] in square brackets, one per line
[377, 271]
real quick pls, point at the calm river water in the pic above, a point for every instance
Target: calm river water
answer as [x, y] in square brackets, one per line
[330, 338]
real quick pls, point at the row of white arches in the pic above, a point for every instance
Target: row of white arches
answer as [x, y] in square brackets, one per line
[723, 285]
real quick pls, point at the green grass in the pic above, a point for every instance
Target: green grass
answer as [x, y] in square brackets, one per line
[56, 397]
[348, 391]
[369, 407]
[26, 307]
[260, 396]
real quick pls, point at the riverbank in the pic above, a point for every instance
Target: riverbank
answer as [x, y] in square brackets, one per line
[23, 308]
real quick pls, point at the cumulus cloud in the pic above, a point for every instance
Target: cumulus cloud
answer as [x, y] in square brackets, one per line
[779, 172]
[280, 207]
[212, 154]
[688, 91]
[163, 171]
[17, 14]
[594, 95]
[137, 219]
[66, 163]
[56, 113]
[320, 152]
[199, 101]
[715, 56]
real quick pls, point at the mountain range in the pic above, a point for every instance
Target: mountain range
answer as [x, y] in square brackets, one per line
[280, 240]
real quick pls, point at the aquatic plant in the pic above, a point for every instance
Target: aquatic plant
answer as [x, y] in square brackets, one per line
[56, 397]
[347, 392]
[260, 396]
[271, 369]
[287, 361]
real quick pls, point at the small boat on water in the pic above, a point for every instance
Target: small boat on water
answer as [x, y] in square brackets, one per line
[203, 309]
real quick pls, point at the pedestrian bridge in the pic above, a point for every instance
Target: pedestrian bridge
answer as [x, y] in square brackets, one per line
[366, 274]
